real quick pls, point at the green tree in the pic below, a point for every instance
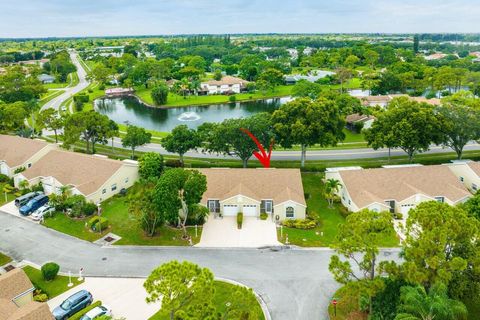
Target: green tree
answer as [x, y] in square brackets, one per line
[304, 88]
[142, 204]
[416, 43]
[52, 120]
[181, 140]
[101, 73]
[331, 188]
[160, 94]
[113, 131]
[307, 123]
[32, 107]
[16, 86]
[180, 286]
[90, 126]
[12, 116]
[272, 76]
[177, 191]
[150, 165]
[416, 304]
[459, 123]
[343, 75]
[227, 138]
[360, 233]
[351, 61]
[406, 124]
[135, 137]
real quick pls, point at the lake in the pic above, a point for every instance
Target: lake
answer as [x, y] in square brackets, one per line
[128, 110]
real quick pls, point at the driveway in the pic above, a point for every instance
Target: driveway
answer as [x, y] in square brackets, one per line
[124, 296]
[295, 284]
[255, 233]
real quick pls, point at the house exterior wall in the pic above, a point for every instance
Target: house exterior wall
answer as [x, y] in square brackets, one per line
[342, 192]
[24, 298]
[280, 210]
[125, 177]
[9, 171]
[222, 89]
[466, 175]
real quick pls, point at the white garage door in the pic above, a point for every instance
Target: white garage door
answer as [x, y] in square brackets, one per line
[230, 209]
[404, 209]
[250, 210]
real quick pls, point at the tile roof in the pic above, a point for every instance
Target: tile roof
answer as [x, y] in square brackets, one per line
[86, 172]
[31, 311]
[475, 166]
[280, 185]
[366, 186]
[358, 117]
[16, 150]
[14, 283]
[227, 80]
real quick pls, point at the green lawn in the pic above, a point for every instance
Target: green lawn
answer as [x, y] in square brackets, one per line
[347, 307]
[329, 218]
[122, 223]
[8, 198]
[52, 288]
[223, 294]
[4, 259]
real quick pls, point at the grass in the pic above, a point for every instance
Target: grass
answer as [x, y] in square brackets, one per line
[347, 306]
[122, 223]
[10, 197]
[52, 288]
[51, 95]
[223, 294]
[329, 219]
[4, 259]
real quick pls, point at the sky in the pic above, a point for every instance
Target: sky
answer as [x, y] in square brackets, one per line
[60, 18]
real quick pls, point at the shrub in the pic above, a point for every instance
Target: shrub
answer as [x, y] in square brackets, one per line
[42, 297]
[174, 163]
[82, 312]
[344, 211]
[263, 216]
[50, 271]
[239, 220]
[4, 178]
[398, 215]
[93, 221]
[300, 223]
[197, 215]
[232, 98]
[18, 170]
[89, 208]
[84, 98]
[101, 224]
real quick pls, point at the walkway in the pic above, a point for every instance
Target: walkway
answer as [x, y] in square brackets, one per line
[295, 284]
[255, 233]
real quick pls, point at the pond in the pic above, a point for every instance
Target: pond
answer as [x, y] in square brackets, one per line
[128, 110]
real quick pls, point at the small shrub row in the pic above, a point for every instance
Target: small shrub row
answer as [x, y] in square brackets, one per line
[300, 223]
[82, 312]
[239, 220]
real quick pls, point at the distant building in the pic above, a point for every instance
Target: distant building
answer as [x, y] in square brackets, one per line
[435, 56]
[46, 78]
[383, 101]
[312, 76]
[115, 92]
[355, 118]
[227, 85]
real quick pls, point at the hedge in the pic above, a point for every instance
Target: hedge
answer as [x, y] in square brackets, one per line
[101, 224]
[93, 221]
[239, 220]
[300, 223]
[82, 312]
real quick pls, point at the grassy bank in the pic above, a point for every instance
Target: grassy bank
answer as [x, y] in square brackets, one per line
[52, 288]
[4, 259]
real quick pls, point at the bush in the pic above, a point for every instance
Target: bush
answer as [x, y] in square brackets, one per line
[300, 223]
[82, 312]
[263, 216]
[93, 221]
[50, 271]
[239, 220]
[42, 297]
[102, 224]
[344, 211]
[4, 178]
[398, 215]
[18, 170]
[232, 98]
[84, 98]
[89, 208]
[174, 163]
[197, 215]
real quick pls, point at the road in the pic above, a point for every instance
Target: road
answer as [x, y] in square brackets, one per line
[294, 283]
[70, 91]
[337, 154]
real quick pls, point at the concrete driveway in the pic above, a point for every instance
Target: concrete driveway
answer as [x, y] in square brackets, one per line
[124, 296]
[255, 233]
[12, 209]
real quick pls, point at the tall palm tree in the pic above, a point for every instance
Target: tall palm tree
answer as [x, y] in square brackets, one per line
[436, 305]
[331, 187]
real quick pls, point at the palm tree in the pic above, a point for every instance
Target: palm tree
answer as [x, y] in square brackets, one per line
[32, 108]
[436, 305]
[184, 86]
[331, 188]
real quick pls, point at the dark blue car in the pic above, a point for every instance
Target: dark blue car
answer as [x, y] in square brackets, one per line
[33, 205]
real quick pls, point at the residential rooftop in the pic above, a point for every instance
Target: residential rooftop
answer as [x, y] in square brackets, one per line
[16, 150]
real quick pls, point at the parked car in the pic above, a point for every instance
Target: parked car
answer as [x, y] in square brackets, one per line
[97, 312]
[42, 211]
[33, 204]
[22, 200]
[72, 305]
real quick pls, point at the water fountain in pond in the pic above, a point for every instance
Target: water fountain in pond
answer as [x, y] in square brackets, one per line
[189, 116]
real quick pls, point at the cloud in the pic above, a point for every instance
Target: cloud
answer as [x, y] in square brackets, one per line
[35, 18]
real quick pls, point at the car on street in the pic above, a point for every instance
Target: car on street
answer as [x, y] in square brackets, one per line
[42, 212]
[72, 305]
[97, 312]
[33, 205]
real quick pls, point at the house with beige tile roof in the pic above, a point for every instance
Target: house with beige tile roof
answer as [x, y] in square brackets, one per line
[467, 172]
[383, 101]
[17, 152]
[16, 298]
[227, 84]
[277, 192]
[96, 177]
[397, 188]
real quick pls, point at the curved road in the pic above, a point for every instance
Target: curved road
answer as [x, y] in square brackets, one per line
[70, 91]
[295, 283]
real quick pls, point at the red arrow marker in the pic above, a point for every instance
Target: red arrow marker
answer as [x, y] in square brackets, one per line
[263, 157]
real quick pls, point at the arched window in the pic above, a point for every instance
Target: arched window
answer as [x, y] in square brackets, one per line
[290, 212]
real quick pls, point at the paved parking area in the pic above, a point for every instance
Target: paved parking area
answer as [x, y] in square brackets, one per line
[10, 208]
[224, 233]
[124, 296]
